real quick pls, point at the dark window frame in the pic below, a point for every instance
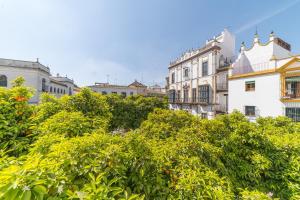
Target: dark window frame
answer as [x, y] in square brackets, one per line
[44, 86]
[186, 72]
[293, 113]
[250, 111]
[250, 86]
[173, 77]
[3, 81]
[194, 94]
[203, 94]
[205, 68]
[185, 95]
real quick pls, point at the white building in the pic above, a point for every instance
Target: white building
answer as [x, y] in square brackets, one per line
[106, 88]
[198, 79]
[124, 90]
[36, 76]
[265, 80]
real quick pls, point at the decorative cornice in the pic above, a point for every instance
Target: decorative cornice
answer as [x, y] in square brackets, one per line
[251, 74]
[205, 50]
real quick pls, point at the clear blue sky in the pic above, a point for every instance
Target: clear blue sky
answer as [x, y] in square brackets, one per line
[132, 39]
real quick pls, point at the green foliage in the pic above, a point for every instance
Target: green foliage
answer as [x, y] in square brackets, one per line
[65, 123]
[62, 149]
[130, 112]
[15, 115]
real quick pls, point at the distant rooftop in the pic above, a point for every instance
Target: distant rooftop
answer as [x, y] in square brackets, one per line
[24, 64]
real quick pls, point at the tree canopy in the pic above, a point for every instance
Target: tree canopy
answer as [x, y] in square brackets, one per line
[69, 148]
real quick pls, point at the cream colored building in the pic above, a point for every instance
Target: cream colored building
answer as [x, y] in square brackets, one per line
[36, 76]
[265, 80]
[197, 80]
[127, 90]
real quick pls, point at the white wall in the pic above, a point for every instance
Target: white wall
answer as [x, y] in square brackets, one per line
[33, 78]
[266, 96]
[110, 90]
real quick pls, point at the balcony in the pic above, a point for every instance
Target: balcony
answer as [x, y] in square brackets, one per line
[220, 108]
[195, 101]
[222, 87]
[223, 68]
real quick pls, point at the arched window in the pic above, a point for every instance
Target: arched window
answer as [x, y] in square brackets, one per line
[3, 81]
[70, 91]
[44, 89]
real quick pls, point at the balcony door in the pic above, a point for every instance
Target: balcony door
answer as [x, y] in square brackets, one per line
[185, 95]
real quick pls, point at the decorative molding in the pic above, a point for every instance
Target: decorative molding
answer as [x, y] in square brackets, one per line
[258, 73]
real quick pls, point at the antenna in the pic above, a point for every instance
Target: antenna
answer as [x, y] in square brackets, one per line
[142, 78]
[107, 78]
[256, 30]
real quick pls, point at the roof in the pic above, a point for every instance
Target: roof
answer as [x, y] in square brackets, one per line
[57, 82]
[107, 85]
[24, 64]
[194, 54]
[62, 79]
[136, 84]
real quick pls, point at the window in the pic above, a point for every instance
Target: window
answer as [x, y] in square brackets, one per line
[250, 86]
[204, 93]
[131, 93]
[186, 72]
[172, 95]
[70, 91]
[204, 115]
[51, 89]
[194, 94]
[292, 89]
[54, 90]
[178, 95]
[250, 110]
[44, 88]
[123, 94]
[104, 92]
[173, 77]
[293, 113]
[58, 90]
[3, 81]
[185, 95]
[205, 68]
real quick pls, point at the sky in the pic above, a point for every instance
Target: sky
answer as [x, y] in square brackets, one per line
[123, 40]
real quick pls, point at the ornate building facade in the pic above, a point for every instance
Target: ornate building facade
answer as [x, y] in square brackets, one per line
[197, 81]
[265, 80]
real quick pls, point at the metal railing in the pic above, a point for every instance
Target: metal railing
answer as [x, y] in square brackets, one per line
[220, 108]
[292, 94]
[190, 100]
[222, 86]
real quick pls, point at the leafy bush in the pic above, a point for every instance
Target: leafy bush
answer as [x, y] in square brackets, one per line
[167, 154]
[15, 113]
[130, 112]
[66, 123]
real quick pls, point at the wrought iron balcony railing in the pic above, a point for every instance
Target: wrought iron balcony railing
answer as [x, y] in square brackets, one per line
[222, 86]
[189, 100]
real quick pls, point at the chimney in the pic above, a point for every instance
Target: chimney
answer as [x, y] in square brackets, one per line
[243, 47]
[272, 36]
[256, 38]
